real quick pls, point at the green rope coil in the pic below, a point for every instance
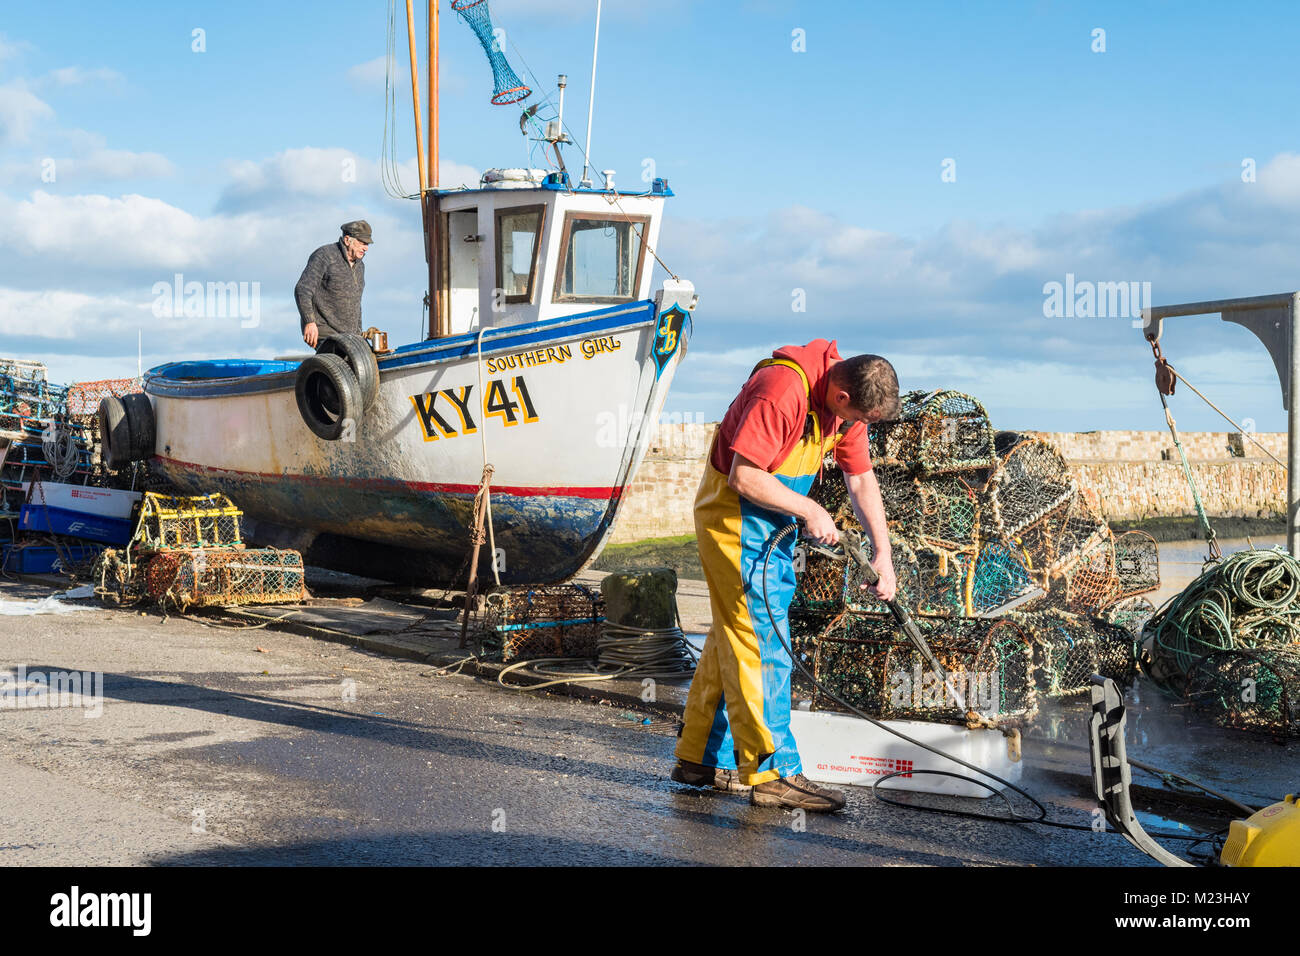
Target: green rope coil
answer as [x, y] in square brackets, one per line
[1247, 601]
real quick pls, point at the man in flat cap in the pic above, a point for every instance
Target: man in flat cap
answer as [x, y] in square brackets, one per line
[329, 290]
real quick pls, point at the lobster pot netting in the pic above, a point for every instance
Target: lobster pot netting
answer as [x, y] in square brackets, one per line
[84, 397]
[203, 521]
[948, 513]
[1070, 648]
[1031, 483]
[862, 660]
[937, 432]
[1252, 689]
[820, 583]
[985, 526]
[25, 392]
[941, 582]
[507, 87]
[1137, 563]
[1130, 613]
[560, 620]
[205, 577]
[999, 577]
[899, 490]
[907, 568]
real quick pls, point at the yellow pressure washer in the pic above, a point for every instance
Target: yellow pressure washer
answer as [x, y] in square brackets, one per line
[1268, 837]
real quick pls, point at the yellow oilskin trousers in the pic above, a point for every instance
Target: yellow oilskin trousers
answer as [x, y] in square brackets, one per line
[738, 709]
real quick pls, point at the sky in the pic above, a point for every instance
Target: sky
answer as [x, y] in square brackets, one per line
[908, 179]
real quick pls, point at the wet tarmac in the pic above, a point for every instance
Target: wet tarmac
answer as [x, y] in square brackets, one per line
[221, 746]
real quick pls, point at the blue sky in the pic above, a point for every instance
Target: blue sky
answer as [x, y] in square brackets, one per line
[818, 170]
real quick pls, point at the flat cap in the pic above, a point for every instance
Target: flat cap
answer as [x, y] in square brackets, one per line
[359, 230]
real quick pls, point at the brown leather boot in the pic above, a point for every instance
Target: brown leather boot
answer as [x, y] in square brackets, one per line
[698, 775]
[796, 793]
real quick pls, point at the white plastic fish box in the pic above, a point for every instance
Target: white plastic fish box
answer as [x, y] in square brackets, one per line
[838, 748]
[105, 502]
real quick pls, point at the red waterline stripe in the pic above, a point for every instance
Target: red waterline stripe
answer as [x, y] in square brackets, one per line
[521, 491]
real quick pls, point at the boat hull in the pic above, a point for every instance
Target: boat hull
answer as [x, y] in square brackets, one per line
[562, 410]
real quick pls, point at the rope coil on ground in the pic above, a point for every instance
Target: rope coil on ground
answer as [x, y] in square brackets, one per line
[621, 651]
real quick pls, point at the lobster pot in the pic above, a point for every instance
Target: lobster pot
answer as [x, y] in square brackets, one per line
[937, 432]
[84, 397]
[1253, 689]
[1137, 563]
[1031, 482]
[1131, 614]
[204, 521]
[221, 576]
[1069, 648]
[26, 393]
[525, 623]
[867, 663]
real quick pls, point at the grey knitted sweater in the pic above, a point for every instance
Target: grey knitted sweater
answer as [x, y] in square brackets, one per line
[329, 291]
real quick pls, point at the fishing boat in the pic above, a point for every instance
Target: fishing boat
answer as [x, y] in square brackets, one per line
[548, 357]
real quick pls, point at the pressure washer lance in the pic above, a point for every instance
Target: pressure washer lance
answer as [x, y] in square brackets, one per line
[855, 550]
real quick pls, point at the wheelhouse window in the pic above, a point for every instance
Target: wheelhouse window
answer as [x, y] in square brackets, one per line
[601, 258]
[518, 240]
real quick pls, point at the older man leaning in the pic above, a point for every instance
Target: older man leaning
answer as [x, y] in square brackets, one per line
[329, 291]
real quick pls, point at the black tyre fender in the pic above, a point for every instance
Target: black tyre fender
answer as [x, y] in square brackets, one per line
[356, 351]
[139, 416]
[329, 397]
[114, 434]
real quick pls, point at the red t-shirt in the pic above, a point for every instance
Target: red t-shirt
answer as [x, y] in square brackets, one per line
[766, 420]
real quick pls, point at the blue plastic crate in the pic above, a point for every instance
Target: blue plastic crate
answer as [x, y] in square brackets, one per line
[75, 524]
[42, 559]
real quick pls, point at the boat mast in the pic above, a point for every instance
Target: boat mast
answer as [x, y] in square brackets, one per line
[591, 103]
[426, 218]
[431, 222]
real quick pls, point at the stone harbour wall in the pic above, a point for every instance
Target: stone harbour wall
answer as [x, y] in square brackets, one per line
[1135, 475]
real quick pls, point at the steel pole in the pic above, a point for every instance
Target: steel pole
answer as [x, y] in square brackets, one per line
[1293, 434]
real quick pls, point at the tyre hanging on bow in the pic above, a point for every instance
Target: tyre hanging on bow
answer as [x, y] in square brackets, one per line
[329, 396]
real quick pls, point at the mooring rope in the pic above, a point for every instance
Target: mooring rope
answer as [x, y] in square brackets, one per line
[1247, 600]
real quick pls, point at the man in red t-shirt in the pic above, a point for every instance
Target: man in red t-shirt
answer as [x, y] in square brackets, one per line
[796, 406]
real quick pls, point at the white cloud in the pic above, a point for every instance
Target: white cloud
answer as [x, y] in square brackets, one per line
[322, 173]
[69, 76]
[9, 49]
[371, 73]
[20, 111]
[99, 165]
[107, 232]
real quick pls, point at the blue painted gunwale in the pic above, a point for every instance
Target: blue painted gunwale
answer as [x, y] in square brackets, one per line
[159, 380]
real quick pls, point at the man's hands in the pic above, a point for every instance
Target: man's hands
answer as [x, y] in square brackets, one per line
[819, 525]
[310, 334]
[887, 587]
